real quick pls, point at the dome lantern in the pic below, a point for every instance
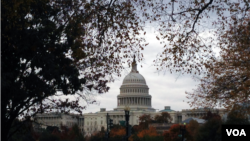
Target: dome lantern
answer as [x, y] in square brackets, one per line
[134, 66]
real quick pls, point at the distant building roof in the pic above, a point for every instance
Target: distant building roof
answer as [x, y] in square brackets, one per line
[201, 121]
[167, 109]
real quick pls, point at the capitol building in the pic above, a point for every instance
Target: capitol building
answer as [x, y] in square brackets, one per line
[134, 93]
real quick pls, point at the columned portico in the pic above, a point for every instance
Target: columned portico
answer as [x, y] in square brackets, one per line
[124, 101]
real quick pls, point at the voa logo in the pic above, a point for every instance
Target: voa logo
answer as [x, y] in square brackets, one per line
[236, 132]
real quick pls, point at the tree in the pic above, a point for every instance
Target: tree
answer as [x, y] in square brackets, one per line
[163, 118]
[189, 32]
[172, 133]
[65, 134]
[117, 133]
[72, 46]
[22, 130]
[192, 129]
[211, 130]
[144, 121]
[98, 136]
[238, 115]
[151, 132]
[188, 29]
[46, 136]
[227, 82]
[211, 115]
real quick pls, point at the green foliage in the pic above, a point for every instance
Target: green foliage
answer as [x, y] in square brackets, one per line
[210, 131]
[237, 117]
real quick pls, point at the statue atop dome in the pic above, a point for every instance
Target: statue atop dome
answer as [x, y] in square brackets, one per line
[134, 66]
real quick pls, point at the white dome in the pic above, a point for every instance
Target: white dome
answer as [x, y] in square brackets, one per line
[133, 77]
[134, 92]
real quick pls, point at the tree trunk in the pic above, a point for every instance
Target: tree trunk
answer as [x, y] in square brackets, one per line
[4, 130]
[6, 124]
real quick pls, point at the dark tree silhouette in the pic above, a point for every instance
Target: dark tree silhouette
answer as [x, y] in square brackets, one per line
[70, 46]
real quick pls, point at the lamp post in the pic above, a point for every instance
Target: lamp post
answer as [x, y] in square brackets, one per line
[182, 130]
[109, 126]
[127, 122]
[107, 132]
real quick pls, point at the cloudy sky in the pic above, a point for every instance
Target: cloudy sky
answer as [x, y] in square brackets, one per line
[166, 89]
